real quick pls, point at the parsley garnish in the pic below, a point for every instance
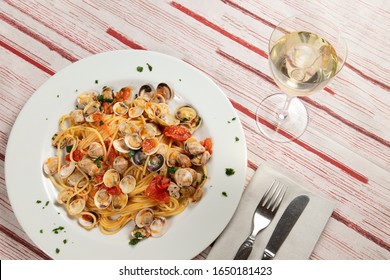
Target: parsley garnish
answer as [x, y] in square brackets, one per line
[233, 119]
[229, 171]
[224, 194]
[140, 68]
[149, 67]
[57, 230]
[101, 123]
[41, 231]
[101, 99]
[98, 161]
[96, 81]
[172, 169]
[65, 241]
[57, 250]
[237, 139]
[69, 148]
[137, 238]
[38, 201]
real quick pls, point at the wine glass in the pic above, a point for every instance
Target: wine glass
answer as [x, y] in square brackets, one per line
[305, 53]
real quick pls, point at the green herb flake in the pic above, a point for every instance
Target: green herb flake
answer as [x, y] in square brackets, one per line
[172, 169]
[237, 139]
[224, 194]
[57, 251]
[58, 229]
[65, 241]
[137, 238]
[98, 161]
[96, 81]
[69, 148]
[229, 171]
[58, 95]
[38, 201]
[140, 68]
[41, 231]
[149, 67]
[101, 123]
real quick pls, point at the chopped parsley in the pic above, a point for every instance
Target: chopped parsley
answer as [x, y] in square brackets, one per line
[65, 241]
[229, 171]
[237, 139]
[149, 67]
[98, 161]
[224, 194]
[47, 203]
[137, 238]
[96, 81]
[38, 201]
[140, 68]
[101, 99]
[101, 123]
[41, 231]
[58, 229]
[172, 169]
[57, 250]
[233, 119]
[69, 148]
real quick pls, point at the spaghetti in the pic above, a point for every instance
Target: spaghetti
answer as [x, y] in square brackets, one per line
[120, 159]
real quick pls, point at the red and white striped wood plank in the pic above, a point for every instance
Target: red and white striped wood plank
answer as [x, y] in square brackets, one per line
[344, 154]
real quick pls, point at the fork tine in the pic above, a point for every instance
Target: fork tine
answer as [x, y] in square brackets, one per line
[265, 196]
[279, 198]
[273, 196]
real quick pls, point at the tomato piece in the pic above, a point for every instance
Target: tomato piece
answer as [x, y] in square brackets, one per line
[115, 190]
[157, 189]
[208, 145]
[149, 144]
[111, 156]
[77, 155]
[123, 94]
[177, 132]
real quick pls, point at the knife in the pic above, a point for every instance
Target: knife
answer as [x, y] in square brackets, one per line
[284, 226]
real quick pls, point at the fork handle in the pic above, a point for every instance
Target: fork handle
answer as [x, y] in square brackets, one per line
[245, 249]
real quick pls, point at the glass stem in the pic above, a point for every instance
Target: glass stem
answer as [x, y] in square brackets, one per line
[283, 114]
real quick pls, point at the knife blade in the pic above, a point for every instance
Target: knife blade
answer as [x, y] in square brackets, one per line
[285, 225]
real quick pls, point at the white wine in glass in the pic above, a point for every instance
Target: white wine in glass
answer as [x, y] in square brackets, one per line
[305, 53]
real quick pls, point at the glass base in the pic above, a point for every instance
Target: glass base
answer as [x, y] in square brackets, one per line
[277, 126]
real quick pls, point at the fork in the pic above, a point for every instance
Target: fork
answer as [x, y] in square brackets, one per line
[262, 217]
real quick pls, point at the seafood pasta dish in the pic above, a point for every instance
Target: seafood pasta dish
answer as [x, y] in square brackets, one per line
[124, 156]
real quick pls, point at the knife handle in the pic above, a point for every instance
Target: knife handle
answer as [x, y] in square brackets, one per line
[245, 249]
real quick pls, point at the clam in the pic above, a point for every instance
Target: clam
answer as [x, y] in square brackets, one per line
[107, 93]
[95, 150]
[75, 178]
[139, 158]
[91, 108]
[186, 113]
[64, 195]
[128, 128]
[193, 146]
[111, 178]
[197, 195]
[158, 98]
[133, 141]
[127, 184]
[88, 166]
[174, 190]
[94, 117]
[148, 130]
[152, 110]
[150, 145]
[167, 119]
[119, 201]
[165, 90]
[146, 92]
[76, 206]
[144, 217]
[50, 166]
[201, 159]
[77, 116]
[84, 99]
[87, 220]
[158, 227]
[155, 163]
[102, 199]
[120, 164]
[66, 170]
[140, 233]
[183, 177]
[187, 192]
[120, 145]
[182, 160]
[120, 108]
[135, 112]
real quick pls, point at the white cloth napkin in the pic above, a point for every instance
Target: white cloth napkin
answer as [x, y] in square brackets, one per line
[300, 242]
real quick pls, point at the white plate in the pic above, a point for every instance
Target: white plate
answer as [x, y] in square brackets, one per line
[30, 144]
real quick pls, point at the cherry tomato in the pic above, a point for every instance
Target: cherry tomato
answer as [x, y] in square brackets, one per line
[157, 189]
[123, 94]
[208, 145]
[115, 190]
[177, 132]
[77, 155]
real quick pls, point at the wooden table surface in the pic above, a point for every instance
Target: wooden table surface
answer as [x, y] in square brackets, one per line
[345, 152]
